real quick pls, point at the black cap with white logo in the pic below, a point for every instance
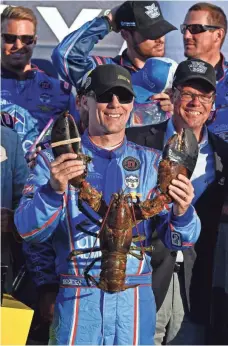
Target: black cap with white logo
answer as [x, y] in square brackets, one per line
[106, 77]
[195, 69]
[145, 17]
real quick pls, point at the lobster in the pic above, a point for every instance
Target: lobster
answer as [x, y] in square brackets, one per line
[123, 213]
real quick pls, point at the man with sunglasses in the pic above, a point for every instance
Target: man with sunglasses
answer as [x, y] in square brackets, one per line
[182, 281]
[85, 314]
[29, 97]
[204, 31]
[142, 26]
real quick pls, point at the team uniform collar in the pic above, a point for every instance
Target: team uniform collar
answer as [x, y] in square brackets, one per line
[220, 68]
[126, 62]
[108, 154]
[30, 74]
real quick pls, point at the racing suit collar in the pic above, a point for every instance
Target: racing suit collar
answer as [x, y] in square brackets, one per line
[108, 154]
[220, 68]
[30, 74]
[124, 61]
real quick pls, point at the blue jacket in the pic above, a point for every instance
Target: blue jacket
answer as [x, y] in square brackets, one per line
[71, 56]
[43, 212]
[27, 105]
[14, 169]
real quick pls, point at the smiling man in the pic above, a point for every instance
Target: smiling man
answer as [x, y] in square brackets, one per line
[29, 97]
[182, 282]
[204, 31]
[86, 314]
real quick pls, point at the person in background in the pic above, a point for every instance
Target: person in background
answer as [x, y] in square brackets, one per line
[204, 31]
[29, 97]
[85, 314]
[182, 282]
[142, 26]
[14, 172]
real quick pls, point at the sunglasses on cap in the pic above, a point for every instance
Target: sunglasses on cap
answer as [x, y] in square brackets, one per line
[25, 39]
[122, 95]
[197, 28]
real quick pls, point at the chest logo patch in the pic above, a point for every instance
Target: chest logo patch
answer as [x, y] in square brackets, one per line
[130, 163]
[132, 181]
[45, 85]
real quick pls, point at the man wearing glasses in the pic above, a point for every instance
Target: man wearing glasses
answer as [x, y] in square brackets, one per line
[204, 31]
[29, 97]
[85, 314]
[182, 280]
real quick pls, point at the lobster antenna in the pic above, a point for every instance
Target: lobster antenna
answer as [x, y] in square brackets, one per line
[137, 229]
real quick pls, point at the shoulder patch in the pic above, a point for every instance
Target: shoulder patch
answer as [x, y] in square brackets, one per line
[65, 87]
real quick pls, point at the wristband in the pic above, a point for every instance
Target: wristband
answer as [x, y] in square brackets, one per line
[109, 22]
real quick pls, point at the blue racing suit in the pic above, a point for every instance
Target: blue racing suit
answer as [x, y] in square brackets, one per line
[88, 315]
[28, 105]
[219, 121]
[71, 56]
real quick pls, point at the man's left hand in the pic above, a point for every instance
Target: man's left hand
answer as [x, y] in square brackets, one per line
[182, 192]
[165, 102]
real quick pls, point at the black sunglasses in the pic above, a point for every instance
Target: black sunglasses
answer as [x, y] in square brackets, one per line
[123, 95]
[197, 28]
[25, 39]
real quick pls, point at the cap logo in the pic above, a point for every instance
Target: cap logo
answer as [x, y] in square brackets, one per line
[120, 76]
[198, 67]
[127, 24]
[152, 11]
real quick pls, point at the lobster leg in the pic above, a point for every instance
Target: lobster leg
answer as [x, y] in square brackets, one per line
[137, 238]
[80, 228]
[90, 277]
[139, 248]
[75, 253]
[139, 257]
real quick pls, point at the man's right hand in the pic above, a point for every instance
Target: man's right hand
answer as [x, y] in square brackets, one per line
[63, 169]
[111, 16]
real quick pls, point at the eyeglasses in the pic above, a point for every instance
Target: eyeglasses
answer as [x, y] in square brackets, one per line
[197, 28]
[25, 39]
[123, 96]
[188, 96]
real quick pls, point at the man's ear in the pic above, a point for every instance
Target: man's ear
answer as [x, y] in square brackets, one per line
[125, 34]
[172, 95]
[84, 102]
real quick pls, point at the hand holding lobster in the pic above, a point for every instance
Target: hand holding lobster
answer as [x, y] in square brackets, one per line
[63, 169]
[182, 193]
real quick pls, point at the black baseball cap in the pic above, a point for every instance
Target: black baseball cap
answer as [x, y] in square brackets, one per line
[145, 17]
[195, 69]
[106, 77]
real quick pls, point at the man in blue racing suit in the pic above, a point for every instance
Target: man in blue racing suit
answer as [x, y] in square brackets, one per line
[85, 314]
[29, 97]
[142, 26]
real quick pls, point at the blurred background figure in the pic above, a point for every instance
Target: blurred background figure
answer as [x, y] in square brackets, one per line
[14, 173]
